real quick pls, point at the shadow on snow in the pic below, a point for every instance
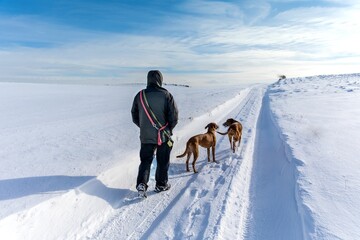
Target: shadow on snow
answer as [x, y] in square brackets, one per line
[22, 187]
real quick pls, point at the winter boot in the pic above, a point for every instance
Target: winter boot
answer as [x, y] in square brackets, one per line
[162, 188]
[141, 190]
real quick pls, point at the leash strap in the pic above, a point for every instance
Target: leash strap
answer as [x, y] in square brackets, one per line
[150, 110]
[159, 136]
[159, 141]
[146, 111]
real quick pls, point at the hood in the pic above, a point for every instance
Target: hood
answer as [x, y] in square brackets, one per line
[154, 78]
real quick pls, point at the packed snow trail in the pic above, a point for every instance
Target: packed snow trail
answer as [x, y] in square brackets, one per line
[197, 206]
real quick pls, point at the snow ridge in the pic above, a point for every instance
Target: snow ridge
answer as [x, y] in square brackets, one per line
[276, 210]
[317, 119]
[305, 214]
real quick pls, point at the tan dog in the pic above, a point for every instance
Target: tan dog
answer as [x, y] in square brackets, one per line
[206, 140]
[234, 132]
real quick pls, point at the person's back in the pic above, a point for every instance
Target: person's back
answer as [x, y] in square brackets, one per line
[154, 106]
[162, 104]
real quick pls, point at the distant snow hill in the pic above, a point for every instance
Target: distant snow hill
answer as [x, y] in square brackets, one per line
[144, 84]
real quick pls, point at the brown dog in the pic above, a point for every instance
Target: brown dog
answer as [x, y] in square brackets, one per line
[234, 132]
[206, 140]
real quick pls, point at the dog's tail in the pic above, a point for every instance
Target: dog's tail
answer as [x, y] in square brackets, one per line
[185, 152]
[182, 155]
[221, 133]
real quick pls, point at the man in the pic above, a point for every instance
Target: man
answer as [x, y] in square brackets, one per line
[155, 112]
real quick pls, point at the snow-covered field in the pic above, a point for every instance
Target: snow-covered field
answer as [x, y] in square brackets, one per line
[69, 158]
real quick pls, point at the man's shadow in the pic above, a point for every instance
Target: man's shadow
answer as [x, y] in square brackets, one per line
[116, 197]
[23, 187]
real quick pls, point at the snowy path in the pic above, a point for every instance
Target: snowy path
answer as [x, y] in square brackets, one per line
[201, 201]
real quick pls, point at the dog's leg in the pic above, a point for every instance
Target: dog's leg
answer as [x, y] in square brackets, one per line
[187, 161]
[208, 154]
[237, 142]
[213, 153]
[230, 140]
[196, 155]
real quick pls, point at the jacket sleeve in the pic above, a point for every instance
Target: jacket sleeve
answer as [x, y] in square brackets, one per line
[172, 113]
[135, 111]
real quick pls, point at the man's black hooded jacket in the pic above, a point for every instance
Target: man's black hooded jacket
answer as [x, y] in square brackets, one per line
[161, 103]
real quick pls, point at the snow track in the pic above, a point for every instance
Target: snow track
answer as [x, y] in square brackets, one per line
[193, 206]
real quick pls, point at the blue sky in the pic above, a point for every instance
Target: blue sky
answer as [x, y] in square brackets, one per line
[191, 41]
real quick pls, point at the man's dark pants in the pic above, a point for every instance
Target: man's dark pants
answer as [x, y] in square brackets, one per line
[163, 163]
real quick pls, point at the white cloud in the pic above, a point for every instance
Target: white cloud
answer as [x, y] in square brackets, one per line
[217, 44]
[331, 31]
[346, 2]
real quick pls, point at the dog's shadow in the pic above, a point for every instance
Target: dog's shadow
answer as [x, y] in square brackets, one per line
[178, 168]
